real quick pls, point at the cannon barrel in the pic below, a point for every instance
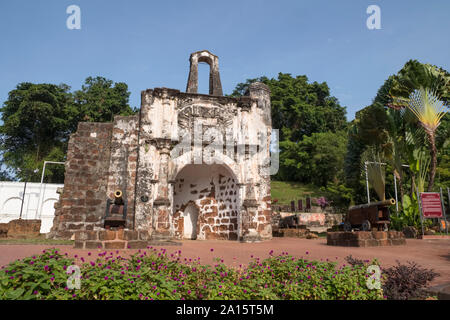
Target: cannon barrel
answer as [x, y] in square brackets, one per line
[118, 200]
[383, 203]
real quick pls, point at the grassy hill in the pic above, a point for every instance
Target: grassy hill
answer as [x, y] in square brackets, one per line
[285, 192]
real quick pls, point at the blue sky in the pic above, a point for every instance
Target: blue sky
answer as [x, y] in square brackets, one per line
[147, 43]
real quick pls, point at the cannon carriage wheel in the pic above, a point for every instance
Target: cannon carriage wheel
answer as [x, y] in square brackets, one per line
[347, 226]
[366, 225]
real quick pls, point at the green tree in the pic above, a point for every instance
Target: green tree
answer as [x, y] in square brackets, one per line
[300, 108]
[318, 159]
[425, 90]
[39, 118]
[308, 118]
[100, 99]
[36, 118]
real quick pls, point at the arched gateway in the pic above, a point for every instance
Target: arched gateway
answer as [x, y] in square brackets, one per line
[189, 165]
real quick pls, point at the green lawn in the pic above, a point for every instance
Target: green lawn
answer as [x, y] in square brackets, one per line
[285, 192]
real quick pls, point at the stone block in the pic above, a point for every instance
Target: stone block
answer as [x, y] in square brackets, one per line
[380, 235]
[137, 244]
[79, 245]
[372, 243]
[130, 235]
[119, 234]
[92, 235]
[81, 236]
[361, 243]
[393, 234]
[92, 218]
[3, 230]
[352, 243]
[144, 235]
[106, 235]
[334, 235]
[363, 235]
[115, 244]
[93, 245]
[24, 228]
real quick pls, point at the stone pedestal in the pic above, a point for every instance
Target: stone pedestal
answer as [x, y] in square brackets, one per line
[366, 238]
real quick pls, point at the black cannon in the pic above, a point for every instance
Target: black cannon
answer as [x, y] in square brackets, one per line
[367, 216]
[116, 211]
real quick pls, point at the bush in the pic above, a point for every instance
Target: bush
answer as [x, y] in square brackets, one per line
[156, 275]
[404, 282]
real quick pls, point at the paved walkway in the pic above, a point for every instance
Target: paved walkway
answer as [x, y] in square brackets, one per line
[434, 254]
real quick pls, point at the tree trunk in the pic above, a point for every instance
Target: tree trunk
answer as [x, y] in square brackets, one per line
[433, 154]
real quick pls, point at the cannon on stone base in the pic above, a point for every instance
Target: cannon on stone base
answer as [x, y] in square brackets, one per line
[116, 211]
[368, 216]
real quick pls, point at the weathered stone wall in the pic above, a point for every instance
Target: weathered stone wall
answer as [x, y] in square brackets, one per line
[82, 202]
[139, 155]
[123, 162]
[20, 228]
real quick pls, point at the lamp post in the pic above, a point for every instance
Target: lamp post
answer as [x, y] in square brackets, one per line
[39, 208]
[27, 176]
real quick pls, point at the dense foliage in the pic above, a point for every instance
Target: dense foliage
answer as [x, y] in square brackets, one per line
[312, 127]
[153, 274]
[402, 281]
[412, 152]
[407, 281]
[38, 119]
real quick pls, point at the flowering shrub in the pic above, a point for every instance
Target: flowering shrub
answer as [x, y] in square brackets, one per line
[322, 203]
[154, 274]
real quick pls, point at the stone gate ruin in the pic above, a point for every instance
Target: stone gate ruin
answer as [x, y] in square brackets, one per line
[189, 166]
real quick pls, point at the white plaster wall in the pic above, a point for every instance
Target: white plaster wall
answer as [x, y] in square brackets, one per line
[11, 194]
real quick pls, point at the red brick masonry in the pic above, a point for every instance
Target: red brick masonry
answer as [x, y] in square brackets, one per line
[366, 238]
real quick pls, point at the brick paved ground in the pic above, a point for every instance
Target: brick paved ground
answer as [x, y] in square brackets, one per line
[433, 254]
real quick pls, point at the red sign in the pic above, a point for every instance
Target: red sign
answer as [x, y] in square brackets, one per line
[431, 205]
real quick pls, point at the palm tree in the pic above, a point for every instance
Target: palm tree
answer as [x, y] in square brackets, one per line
[429, 110]
[423, 89]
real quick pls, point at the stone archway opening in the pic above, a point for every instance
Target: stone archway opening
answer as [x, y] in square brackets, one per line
[206, 203]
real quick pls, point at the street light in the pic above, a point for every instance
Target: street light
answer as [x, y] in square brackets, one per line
[27, 176]
[39, 208]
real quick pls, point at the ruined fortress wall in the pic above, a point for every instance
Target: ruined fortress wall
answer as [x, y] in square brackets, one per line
[81, 205]
[123, 162]
[138, 155]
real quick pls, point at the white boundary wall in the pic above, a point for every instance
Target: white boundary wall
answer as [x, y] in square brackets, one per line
[11, 194]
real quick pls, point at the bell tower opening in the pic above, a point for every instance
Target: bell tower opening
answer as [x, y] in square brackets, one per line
[215, 86]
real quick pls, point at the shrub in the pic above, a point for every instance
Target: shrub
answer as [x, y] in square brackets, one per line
[406, 281]
[153, 274]
[34, 277]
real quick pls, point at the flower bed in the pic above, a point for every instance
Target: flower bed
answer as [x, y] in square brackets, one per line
[154, 274]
